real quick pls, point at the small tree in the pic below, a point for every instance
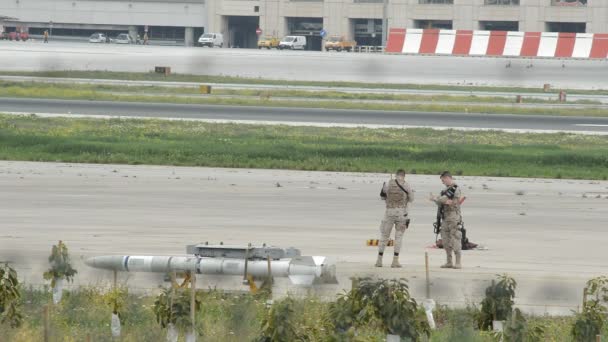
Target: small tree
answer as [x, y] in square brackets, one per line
[498, 303]
[10, 295]
[116, 299]
[173, 309]
[61, 269]
[591, 320]
[386, 303]
[597, 290]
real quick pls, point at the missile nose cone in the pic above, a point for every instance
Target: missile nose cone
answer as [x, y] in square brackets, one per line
[106, 262]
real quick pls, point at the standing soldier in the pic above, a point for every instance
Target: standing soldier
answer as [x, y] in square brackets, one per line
[145, 38]
[449, 203]
[398, 194]
[46, 36]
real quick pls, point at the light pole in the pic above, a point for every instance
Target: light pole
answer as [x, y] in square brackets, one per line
[384, 21]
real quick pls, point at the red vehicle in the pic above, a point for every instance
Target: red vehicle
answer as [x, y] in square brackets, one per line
[13, 36]
[23, 36]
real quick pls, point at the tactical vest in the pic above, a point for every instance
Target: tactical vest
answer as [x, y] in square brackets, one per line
[395, 197]
[452, 212]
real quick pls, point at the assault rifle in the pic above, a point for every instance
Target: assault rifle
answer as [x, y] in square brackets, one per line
[437, 224]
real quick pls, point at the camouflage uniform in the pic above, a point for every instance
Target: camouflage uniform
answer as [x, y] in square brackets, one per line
[451, 235]
[395, 215]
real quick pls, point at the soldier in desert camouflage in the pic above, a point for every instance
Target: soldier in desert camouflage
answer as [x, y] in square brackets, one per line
[398, 195]
[449, 202]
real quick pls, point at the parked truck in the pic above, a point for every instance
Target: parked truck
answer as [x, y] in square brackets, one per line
[269, 43]
[338, 43]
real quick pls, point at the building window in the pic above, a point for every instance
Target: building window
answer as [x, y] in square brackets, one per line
[304, 26]
[502, 2]
[566, 27]
[499, 25]
[569, 3]
[433, 24]
[436, 2]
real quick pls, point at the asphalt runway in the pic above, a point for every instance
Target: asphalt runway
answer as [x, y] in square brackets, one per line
[549, 234]
[305, 116]
[310, 66]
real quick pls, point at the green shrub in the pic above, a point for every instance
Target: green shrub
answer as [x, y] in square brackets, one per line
[10, 295]
[278, 324]
[172, 306]
[297, 320]
[498, 303]
[386, 304]
[590, 322]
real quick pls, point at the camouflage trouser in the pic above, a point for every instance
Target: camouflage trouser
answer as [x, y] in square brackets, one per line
[394, 217]
[451, 236]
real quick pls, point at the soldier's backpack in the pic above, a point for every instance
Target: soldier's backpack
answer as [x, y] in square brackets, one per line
[466, 244]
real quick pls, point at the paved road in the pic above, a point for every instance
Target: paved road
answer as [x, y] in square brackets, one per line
[312, 66]
[309, 116]
[549, 234]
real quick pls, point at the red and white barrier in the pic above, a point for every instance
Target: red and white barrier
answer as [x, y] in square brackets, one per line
[498, 43]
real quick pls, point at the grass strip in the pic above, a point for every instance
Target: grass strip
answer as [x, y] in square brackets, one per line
[270, 93]
[337, 95]
[34, 87]
[426, 151]
[150, 76]
[87, 92]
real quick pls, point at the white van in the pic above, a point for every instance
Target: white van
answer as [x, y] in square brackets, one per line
[293, 43]
[211, 40]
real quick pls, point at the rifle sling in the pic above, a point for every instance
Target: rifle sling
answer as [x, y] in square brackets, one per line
[400, 187]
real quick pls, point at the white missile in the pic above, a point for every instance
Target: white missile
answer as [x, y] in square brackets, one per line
[301, 270]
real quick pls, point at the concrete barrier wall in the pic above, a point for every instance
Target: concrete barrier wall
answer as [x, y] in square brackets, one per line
[498, 43]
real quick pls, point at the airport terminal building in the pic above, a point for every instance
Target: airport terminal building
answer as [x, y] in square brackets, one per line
[167, 20]
[182, 21]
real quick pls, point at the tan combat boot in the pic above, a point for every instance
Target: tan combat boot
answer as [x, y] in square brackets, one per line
[448, 264]
[458, 258]
[396, 263]
[379, 261]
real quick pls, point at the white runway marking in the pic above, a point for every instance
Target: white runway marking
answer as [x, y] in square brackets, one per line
[591, 125]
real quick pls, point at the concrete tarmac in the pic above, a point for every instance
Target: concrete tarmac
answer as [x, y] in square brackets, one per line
[549, 234]
[306, 65]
